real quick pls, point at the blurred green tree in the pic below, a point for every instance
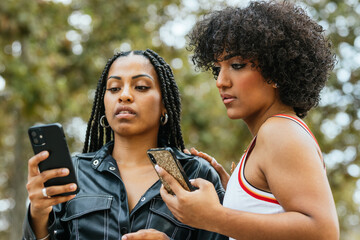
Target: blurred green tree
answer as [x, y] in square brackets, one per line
[52, 53]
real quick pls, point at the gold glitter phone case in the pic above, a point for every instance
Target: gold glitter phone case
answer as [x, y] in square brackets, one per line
[165, 158]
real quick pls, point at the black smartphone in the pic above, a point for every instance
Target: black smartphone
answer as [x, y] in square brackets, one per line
[165, 158]
[51, 137]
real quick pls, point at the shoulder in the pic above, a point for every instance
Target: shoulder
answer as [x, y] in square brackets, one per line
[281, 139]
[278, 132]
[196, 167]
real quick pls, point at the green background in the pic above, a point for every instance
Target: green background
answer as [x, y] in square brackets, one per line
[52, 54]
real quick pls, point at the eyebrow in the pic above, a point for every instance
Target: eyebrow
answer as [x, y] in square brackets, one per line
[134, 77]
[231, 56]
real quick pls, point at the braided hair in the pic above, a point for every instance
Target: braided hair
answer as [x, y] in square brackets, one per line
[168, 135]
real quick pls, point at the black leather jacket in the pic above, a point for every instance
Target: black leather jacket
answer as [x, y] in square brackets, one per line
[100, 209]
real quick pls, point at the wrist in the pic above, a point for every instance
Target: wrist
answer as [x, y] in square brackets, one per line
[213, 218]
[44, 238]
[36, 214]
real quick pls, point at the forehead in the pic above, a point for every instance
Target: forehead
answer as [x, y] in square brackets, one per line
[224, 56]
[132, 65]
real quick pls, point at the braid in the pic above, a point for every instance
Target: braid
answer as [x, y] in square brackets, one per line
[171, 99]
[94, 138]
[169, 135]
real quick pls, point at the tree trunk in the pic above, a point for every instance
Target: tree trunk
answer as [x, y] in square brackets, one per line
[17, 178]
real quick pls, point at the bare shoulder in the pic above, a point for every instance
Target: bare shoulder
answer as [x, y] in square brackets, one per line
[282, 139]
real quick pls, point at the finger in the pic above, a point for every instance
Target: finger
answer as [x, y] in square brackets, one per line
[38, 206]
[221, 170]
[194, 151]
[145, 234]
[200, 183]
[207, 157]
[33, 164]
[174, 185]
[169, 199]
[57, 200]
[135, 236]
[53, 173]
[55, 190]
[186, 151]
[203, 155]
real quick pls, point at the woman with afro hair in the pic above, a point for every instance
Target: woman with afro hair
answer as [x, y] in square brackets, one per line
[270, 62]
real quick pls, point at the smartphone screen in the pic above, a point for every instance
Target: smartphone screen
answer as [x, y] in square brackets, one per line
[51, 137]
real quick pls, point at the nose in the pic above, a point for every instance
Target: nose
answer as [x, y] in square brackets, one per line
[223, 80]
[126, 95]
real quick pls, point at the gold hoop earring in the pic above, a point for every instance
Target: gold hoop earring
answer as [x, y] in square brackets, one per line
[102, 122]
[164, 119]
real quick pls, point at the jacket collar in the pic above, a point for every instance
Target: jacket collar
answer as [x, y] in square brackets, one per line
[101, 154]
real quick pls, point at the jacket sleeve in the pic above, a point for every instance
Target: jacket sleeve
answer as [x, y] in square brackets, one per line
[54, 227]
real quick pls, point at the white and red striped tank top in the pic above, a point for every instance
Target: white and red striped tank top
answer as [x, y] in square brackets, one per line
[241, 195]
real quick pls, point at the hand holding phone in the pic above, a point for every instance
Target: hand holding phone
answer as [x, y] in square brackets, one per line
[51, 138]
[165, 158]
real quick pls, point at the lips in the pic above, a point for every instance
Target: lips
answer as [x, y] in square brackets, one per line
[227, 98]
[123, 111]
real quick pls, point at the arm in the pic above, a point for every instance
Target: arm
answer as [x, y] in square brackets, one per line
[295, 176]
[36, 223]
[210, 174]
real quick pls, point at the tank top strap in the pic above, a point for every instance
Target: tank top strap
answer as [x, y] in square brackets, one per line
[248, 187]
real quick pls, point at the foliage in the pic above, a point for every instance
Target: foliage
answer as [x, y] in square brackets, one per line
[52, 54]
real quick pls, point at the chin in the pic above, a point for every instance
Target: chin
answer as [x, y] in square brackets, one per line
[233, 115]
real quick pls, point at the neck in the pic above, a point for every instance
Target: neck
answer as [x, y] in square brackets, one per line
[257, 120]
[131, 150]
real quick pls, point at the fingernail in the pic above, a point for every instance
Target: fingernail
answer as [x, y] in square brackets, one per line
[72, 186]
[43, 154]
[191, 180]
[157, 168]
[213, 161]
[64, 171]
[124, 238]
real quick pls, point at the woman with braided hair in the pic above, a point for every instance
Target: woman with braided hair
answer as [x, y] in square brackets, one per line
[136, 107]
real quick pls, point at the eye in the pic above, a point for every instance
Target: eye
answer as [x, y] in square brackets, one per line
[142, 88]
[238, 66]
[114, 89]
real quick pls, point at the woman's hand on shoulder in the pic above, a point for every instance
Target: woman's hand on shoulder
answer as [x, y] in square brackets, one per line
[224, 176]
[146, 234]
[40, 204]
